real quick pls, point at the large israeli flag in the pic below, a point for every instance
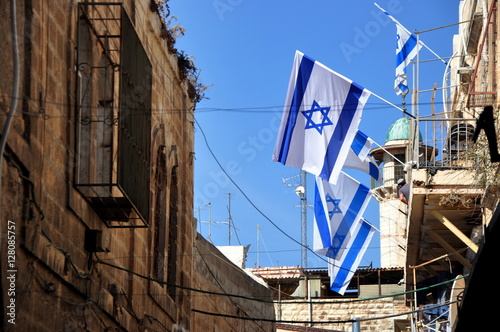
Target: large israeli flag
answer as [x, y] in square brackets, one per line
[338, 209]
[342, 270]
[359, 157]
[321, 116]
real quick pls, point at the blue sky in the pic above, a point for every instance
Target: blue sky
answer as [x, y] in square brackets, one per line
[244, 50]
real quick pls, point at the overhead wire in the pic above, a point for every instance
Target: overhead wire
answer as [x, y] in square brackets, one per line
[99, 261]
[420, 310]
[249, 109]
[250, 201]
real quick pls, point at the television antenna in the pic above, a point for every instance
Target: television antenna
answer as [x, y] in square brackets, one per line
[301, 191]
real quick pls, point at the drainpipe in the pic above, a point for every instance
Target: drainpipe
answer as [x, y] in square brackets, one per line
[309, 301]
[5, 132]
[15, 85]
[355, 325]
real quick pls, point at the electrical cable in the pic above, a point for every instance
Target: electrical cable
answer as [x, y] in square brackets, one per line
[447, 303]
[99, 261]
[222, 288]
[249, 109]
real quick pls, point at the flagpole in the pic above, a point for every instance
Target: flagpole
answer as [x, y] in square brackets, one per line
[395, 106]
[390, 154]
[403, 27]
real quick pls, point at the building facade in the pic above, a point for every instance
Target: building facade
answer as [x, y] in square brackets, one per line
[454, 177]
[303, 300]
[97, 170]
[232, 299]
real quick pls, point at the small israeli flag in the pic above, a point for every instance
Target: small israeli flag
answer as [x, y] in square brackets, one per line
[359, 157]
[406, 49]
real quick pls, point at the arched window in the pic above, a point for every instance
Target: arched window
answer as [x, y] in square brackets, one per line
[160, 216]
[172, 232]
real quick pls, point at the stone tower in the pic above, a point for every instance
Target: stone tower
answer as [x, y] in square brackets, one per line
[395, 159]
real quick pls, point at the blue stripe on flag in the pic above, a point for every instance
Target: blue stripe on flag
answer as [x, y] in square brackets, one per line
[305, 69]
[346, 266]
[359, 142]
[342, 127]
[374, 171]
[408, 47]
[322, 220]
[348, 220]
[402, 87]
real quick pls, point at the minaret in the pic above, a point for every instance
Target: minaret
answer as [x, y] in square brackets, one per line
[394, 156]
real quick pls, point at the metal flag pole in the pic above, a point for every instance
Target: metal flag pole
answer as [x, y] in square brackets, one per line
[403, 27]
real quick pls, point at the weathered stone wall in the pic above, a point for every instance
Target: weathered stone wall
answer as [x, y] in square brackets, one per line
[215, 273]
[346, 310]
[59, 284]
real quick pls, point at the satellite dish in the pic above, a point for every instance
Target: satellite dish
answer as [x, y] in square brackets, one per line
[300, 190]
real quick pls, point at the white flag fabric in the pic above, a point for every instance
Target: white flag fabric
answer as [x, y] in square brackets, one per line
[341, 271]
[359, 157]
[338, 208]
[322, 112]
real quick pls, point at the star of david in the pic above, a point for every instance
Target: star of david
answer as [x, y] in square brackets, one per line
[336, 207]
[325, 120]
[334, 249]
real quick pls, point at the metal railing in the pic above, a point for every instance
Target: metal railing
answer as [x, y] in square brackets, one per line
[447, 142]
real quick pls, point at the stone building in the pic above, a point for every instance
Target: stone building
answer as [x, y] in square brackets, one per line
[304, 301]
[96, 219]
[97, 170]
[454, 180]
[232, 299]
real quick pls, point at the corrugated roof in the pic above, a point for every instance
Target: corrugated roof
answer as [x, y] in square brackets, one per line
[287, 327]
[280, 272]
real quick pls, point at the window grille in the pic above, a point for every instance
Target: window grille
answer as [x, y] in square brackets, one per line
[113, 116]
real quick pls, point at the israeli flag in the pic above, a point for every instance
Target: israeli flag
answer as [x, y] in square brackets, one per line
[359, 157]
[407, 49]
[337, 211]
[341, 271]
[322, 112]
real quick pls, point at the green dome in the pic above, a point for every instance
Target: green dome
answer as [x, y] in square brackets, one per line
[400, 130]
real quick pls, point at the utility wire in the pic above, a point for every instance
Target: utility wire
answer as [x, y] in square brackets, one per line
[447, 303]
[250, 201]
[141, 111]
[99, 261]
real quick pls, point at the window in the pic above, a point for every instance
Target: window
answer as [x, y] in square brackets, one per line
[172, 233]
[399, 171]
[113, 116]
[160, 213]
